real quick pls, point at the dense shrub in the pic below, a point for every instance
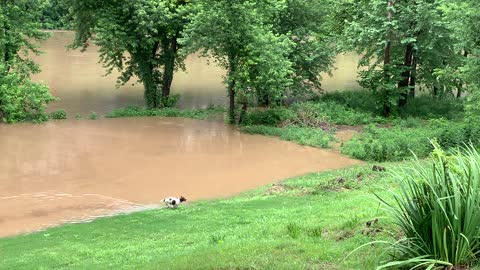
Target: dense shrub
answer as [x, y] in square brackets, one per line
[331, 112]
[22, 100]
[304, 136]
[60, 114]
[268, 117]
[357, 100]
[396, 143]
[170, 101]
[428, 107]
[389, 144]
[438, 212]
[424, 106]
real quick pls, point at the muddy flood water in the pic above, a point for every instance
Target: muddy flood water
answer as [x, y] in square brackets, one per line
[77, 170]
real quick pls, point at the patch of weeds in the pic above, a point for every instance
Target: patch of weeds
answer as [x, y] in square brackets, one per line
[217, 239]
[78, 116]
[170, 101]
[389, 144]
[316, 114]
[398, 142]
[294, 230]
[276, 189]
[58, 115]
[315, 232]
[351, 223]
[268, 117]
[93, 116]
[304, 136]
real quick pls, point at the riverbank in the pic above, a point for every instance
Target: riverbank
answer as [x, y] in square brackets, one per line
[308, 222]
[324, 121]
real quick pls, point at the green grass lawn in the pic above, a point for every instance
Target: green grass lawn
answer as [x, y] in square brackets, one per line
[308, 222]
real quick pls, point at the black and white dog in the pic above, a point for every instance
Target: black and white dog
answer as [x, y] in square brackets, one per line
[173, 202]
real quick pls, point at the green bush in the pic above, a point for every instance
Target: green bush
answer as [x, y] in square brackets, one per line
[268, 117]
[429, 107]
[93, 116]
[22, 99]
[424, 106]
[171, 101]
[309, 113]
[58, 115]
[396, 143]
[438, 211]
[389, 144]
[304, 136]
[363, 101]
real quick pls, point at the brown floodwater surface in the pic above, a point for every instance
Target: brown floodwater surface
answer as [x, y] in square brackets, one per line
[77, 170]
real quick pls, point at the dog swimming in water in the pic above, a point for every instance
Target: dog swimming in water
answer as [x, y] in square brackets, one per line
[174, 202]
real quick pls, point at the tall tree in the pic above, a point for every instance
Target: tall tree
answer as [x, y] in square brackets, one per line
[54, 15]
[236, 33]
[402, 43]
[20, 99]
[138, 38]
[307, 24]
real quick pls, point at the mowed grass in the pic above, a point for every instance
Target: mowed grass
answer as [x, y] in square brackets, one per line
[308, 222]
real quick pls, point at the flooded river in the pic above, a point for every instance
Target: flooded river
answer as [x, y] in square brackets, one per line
[76, 170]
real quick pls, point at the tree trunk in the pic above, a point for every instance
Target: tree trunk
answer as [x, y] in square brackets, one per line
[170, 51]
[435, 91]
[243, 113]
[460, 85]
[386, 64]
[413, 77]
[147, 77]
[404, 83]
[231, 89]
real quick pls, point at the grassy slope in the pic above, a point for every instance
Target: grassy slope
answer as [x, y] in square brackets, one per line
[309, 222]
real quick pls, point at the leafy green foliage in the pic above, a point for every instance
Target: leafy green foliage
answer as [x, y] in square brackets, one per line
[304, 136]
[237, 35]
[438, 210]
[148, 30]
[424, 106]
[93, 116]
[268, 117]
[402, 43]
[166, 112]
[388, 144]
[309, 113]
[170, 101]
[58, 115]
[54, 15]
[305, 23]
[20, 99]
[398, 142]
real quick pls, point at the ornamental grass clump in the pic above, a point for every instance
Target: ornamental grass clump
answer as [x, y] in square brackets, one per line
[438, 211]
